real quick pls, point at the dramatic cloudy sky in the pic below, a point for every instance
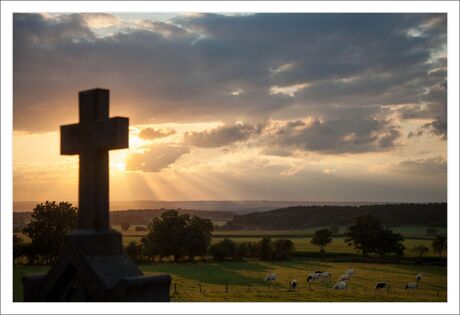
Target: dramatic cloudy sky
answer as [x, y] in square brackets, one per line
[332, 107]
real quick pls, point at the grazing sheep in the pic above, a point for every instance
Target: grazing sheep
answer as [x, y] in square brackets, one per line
[270, 278]
[350, 272]
[318, 276]
[293, 285]
[418, 277]
[382, 285]
[341, 285]
[344, 277]
[412, 285]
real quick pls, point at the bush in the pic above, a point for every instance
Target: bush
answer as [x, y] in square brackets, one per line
[134, 250]
[283, 249]
[266, 251]
[224, 249]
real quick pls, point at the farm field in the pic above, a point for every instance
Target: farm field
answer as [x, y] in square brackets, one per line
[415, 236]
[246, 284]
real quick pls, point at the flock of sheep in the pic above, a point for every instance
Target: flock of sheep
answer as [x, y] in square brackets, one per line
[341, 283]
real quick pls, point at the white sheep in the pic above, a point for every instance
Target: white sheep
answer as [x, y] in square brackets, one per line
[418, 277]
[270, 278]
[382, 285]
[412, 285]
[341, 285]
[318, 276]
[293, 285]
[344, 277]
[350, 272]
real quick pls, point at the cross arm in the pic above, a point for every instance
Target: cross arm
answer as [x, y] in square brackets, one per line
[113, 133]
[70, 139]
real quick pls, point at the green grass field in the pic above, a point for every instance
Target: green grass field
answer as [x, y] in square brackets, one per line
[246, 284]
[415, 236]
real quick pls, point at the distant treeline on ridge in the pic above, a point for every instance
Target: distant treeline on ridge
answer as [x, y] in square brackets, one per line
[432, 214]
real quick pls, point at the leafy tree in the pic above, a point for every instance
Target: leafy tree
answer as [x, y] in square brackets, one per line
[178, 235]
[224, 249]
[125, 226]
[420, 250]
[283, 248]
[364, 234]
[48, 229]
[390, 243]
[439, 244]
[198, 236]
[266, 249]
[321, 238]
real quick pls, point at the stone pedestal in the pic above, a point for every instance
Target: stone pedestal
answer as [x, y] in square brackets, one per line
[95, 268]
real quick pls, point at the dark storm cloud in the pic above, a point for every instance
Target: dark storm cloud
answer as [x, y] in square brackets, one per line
[155, 133]
[331, 136]
[214, 67]
[424, 167]
[155, 158]
[221, 136]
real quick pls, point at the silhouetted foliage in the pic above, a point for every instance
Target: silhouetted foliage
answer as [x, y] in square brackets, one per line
[125, 226]
[266, 249]
[321, 238]
[179, 235]
[439, 244]
[224, 249]
[368, 235]
[48, 229]
[283, 249]
[420, 250]
[294, 218]
[390, 243]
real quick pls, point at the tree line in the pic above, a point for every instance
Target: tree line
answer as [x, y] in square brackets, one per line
[184, 237]
[297, 218]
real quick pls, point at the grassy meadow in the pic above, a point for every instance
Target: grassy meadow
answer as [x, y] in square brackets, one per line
[246, 284]
[245, 279]
[415, 236]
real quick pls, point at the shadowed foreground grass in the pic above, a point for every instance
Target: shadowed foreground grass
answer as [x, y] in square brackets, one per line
[246, 284]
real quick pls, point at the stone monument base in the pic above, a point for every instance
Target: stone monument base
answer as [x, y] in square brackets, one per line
[95, 268]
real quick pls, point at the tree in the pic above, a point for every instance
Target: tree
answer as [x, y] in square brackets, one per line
[198, 236]
[321, 238]
[420, 250]
[125, 226]
[266, 249]
[390, 243]
[364, 234]
[48, 229]
[178, 235]
[439, 244]
[224, 249]
[283, 248]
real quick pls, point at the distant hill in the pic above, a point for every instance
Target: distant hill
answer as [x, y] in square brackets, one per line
[138, 216]
[293, 218]
[237, 206]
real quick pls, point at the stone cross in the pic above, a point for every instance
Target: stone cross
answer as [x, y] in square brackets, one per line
[92, 139]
